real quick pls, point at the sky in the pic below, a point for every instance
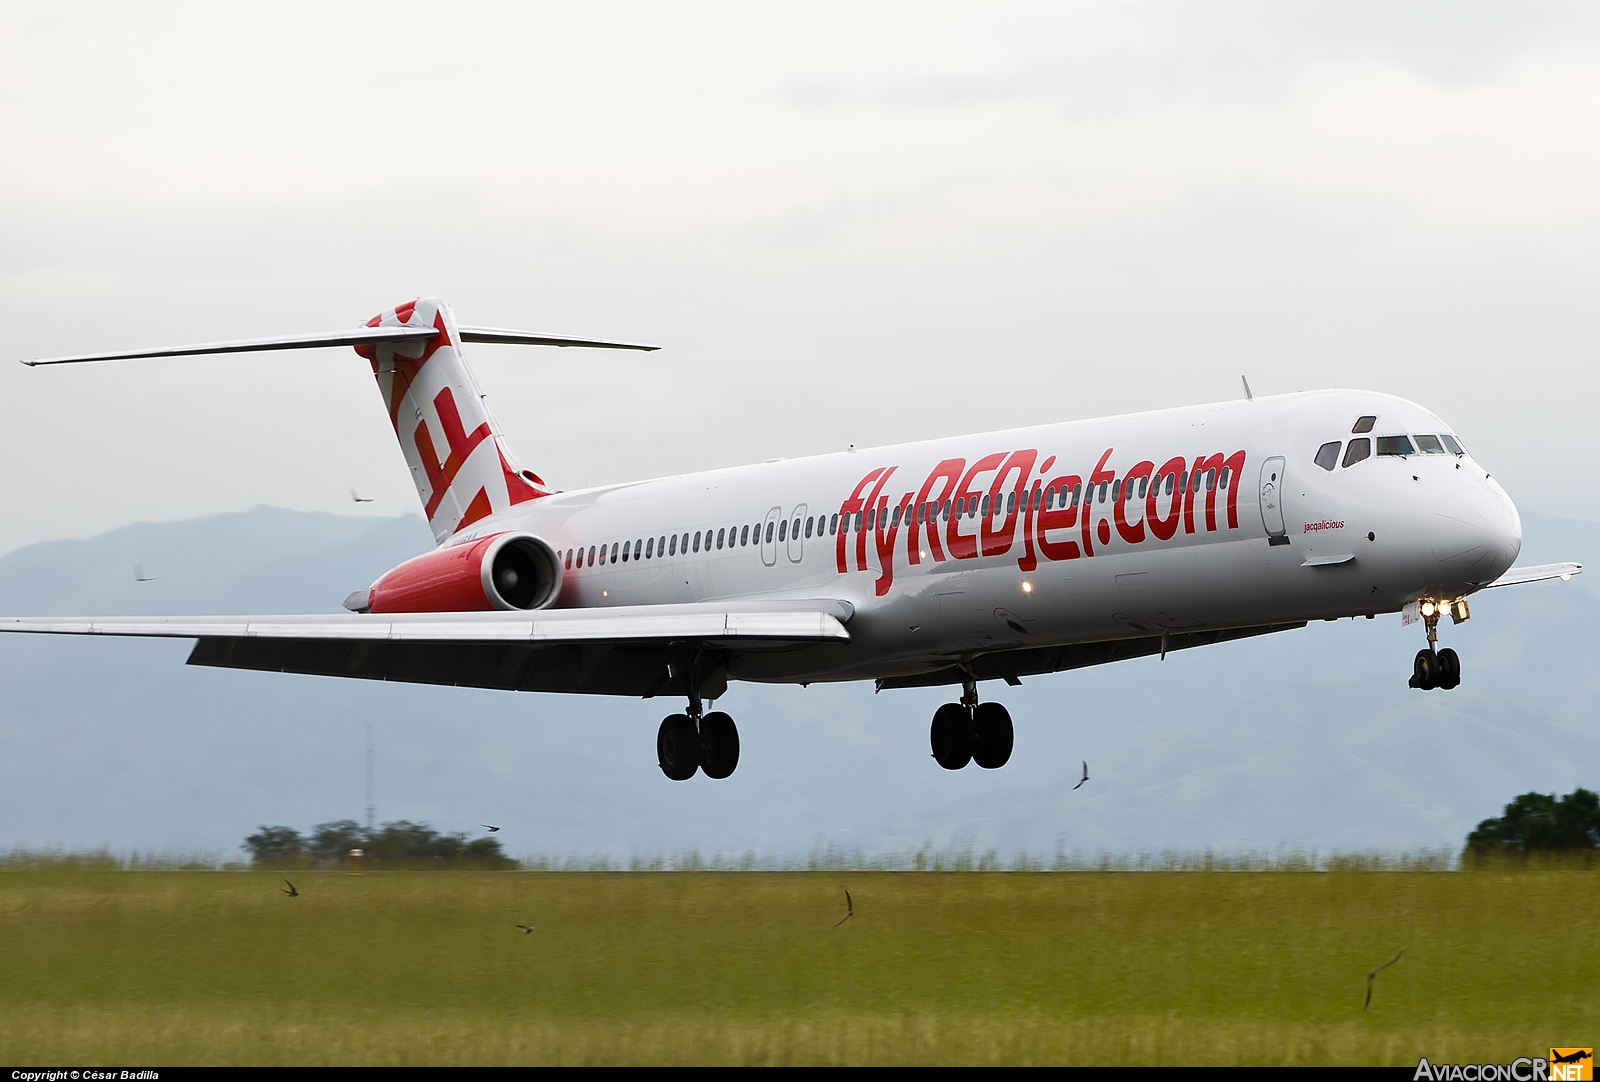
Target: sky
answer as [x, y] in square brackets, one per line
[845, 223]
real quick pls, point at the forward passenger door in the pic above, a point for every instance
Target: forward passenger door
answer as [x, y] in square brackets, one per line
[1272, 501]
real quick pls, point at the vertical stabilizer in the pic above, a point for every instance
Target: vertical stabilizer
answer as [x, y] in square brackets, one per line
[458, 457]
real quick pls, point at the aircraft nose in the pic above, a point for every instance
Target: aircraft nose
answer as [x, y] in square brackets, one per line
[1476, 535]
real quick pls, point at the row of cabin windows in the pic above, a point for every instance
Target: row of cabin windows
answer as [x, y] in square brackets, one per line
[1359, 449]
[650, 548]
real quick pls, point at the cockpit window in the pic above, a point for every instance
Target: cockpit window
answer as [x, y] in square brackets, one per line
[1452, 444]
[1395, 445]
[1358, 450]
[1364, 424]
[1328, 455]
[1430, 445]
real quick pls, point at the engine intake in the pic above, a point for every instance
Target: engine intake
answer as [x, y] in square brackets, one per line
[505, 571]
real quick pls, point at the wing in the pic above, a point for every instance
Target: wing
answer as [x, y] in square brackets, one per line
[1536, 573]
[626, 650]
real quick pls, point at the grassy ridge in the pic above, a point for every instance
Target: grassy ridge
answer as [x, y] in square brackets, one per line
[1196, 967]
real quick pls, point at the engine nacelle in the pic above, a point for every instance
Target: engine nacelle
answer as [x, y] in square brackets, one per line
[504, 571]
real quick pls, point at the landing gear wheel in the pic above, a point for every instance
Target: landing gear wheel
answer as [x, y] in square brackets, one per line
[719, 745]
[995, 736]
[1449, 668]
[951, 736]
[1425, 670]
[678, 747]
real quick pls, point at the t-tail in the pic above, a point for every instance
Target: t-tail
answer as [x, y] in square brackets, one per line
[459, 460]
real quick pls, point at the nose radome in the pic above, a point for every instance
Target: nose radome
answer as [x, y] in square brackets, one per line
[1476, 535]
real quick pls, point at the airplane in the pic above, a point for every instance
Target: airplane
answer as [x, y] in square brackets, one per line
[949, 562]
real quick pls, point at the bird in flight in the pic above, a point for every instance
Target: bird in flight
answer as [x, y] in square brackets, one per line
[490, 829]
[849, 909]
[527, 929]
[139, 575]
[1373, 975]
[291, 892]
[361, 499]
[1083, 779]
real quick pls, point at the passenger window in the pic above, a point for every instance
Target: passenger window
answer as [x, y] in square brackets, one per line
[685, 545]
[1183, 480]
[627, 550]
[794, 531]
[1363, 425]
[1223, 481]
[1430, 445]
[985, 506]
[638, 547]
[947, 510]
[1038, 496]
[1116, 492]
[721, 534]
[1211, 480]
[1077, 493]
[809, 522]
[1358, 450]
[591, 556]
[614, 547]
[649, 548]
[833, 525]
[1011, 502]
[1328, 455]
[1452, 444]
[1395, 445]
[697, 540]
[770, 528]
[1144, 486]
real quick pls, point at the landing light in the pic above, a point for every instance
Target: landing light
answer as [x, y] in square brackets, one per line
[605, 593]
[1027, 587]
[1566, 578]
[1427, 608]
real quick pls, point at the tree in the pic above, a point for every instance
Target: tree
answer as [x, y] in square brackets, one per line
[331, 842]
[1540, 823]
[401, 844]
[276, 846]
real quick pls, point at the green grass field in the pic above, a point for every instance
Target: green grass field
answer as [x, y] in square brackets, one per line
[109, 967]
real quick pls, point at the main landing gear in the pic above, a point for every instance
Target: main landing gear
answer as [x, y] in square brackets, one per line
[695, 741]
[1435, 668]
[970, 731]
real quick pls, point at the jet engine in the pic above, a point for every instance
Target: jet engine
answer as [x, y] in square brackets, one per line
[505, 571]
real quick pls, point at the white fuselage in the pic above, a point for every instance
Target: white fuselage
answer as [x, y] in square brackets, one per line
[1089, 565]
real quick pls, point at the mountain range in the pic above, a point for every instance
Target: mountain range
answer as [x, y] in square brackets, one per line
[1308, 740]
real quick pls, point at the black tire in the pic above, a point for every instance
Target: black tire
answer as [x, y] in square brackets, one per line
[951, 736]
[678, 747]
[719, 745]
[994, 736]
[1449, 668]
[1425, 670]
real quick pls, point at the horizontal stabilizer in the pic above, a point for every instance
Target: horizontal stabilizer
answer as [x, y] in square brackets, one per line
[1536, 573]
[359, 336]
[528, 338]
[812, 621]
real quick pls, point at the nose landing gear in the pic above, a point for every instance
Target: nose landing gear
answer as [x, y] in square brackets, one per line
[970, 731]
[1435, 668]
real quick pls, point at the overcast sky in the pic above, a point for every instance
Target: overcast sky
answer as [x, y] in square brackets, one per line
[846, 223]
